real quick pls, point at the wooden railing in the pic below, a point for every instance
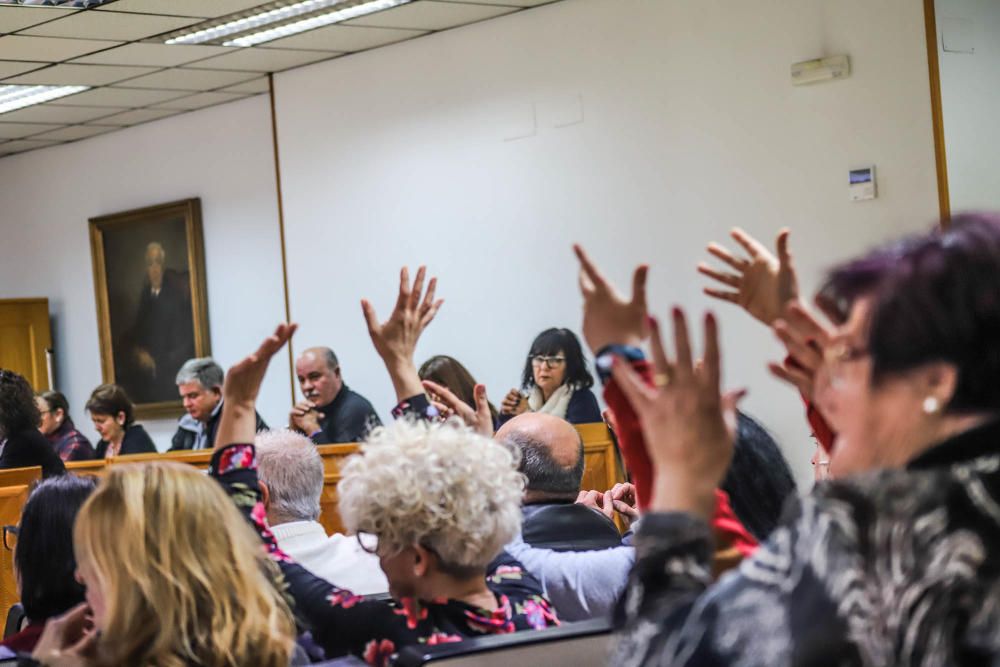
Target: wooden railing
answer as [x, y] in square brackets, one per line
[601, 471]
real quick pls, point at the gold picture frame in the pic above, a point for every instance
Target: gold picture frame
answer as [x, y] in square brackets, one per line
[152, 305]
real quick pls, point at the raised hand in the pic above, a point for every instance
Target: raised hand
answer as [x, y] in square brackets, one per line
[763, 284]
[687, 424]
[607, 317]
[805, 338]
[238, 423]
[479, 419]
[396, 339]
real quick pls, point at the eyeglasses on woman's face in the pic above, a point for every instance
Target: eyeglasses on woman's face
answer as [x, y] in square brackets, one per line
[10, 537]
[549, 362]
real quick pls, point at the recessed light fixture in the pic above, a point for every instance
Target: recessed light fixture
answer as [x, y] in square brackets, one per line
[18, 97]
[279, 21]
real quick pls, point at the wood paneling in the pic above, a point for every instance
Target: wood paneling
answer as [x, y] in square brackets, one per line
[25, 338]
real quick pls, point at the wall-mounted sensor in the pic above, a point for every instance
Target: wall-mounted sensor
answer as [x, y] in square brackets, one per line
[862, 184]
[820, 70]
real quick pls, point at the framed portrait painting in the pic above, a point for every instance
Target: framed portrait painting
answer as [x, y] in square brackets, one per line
[152, 310]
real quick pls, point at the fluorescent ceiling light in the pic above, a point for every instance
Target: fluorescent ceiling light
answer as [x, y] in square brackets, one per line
[18, 97]
[315, 22]
[246, 26]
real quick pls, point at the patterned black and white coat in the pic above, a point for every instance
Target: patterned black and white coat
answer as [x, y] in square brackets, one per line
[897, 567]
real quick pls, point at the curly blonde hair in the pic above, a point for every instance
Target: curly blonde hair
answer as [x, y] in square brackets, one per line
[437, 485]
[184, 577]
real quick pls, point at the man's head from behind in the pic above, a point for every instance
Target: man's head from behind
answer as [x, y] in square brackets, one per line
[199, 382]
[318, 371]
[291, 476]
[551, 456]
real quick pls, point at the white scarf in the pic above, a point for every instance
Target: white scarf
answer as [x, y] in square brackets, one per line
[556, 405]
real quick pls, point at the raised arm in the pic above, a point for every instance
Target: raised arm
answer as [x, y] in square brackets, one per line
[238, 423]
[396, 339]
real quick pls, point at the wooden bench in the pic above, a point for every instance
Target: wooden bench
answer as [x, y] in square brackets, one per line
[601, 471]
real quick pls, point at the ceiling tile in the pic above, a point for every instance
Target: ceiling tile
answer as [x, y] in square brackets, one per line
[513, 3]
[200, 8]
[50, 113]
[137, 116]
[200, 100]
[251, 87]
[22, 145]
[14, 67]
[110, 25]
[431, 15]
[120, 97]
[343, 38]
[190, 79]
[74, 132]
[262, 60]
[47, 49]
[153, 55]
[79, 75]
[13, 19]
[18, 130]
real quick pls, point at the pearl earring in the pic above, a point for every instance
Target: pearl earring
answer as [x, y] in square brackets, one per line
[931, 405]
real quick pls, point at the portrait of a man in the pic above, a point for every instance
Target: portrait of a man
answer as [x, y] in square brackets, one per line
[150, 292]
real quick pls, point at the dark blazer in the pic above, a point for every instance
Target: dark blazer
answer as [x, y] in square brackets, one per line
[185, 438]
[136, 441]
[31, 448]
[568, 527]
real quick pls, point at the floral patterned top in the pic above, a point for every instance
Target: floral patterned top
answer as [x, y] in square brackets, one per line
[343, 623]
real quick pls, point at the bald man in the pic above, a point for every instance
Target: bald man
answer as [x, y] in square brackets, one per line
[331, 412]
[552, 460]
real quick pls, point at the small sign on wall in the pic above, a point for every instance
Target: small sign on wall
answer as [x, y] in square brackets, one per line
[862, 184]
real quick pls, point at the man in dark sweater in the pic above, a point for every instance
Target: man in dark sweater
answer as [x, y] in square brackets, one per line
[331, 412]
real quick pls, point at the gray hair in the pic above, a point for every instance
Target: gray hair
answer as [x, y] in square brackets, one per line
[291, 467]
[331, 359]
[156, 249]
[543, 472]
[202, 370]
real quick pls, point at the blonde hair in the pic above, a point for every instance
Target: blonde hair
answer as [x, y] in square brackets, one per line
[437, 485]
[184, 577]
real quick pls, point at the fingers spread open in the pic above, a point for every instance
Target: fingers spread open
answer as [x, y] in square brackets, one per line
[730, 279]
[418, 288]
[731, 297]
[727, 257]
[589, 268]
[749, 243]
[684, 365]
[639, 285]
[371, 319]
[404, 289]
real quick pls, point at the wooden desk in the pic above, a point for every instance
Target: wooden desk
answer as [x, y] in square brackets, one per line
[601, 472]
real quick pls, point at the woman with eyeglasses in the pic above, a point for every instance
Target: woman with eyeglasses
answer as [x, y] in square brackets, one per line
[555, 381]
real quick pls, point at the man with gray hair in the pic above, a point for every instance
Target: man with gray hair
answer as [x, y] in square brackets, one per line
[199, 382]
[291, 483]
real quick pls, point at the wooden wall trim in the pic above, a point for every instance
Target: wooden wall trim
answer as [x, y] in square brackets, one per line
[934, 72]
[281, 232]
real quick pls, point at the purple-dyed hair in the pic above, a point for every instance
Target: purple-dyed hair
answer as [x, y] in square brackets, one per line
[936, 298]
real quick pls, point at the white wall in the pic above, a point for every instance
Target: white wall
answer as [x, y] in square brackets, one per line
[222, 155]
[397, 156]
[970, 100]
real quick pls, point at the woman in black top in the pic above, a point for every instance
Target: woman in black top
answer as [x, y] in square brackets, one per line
[23, 444]
[113, 415]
